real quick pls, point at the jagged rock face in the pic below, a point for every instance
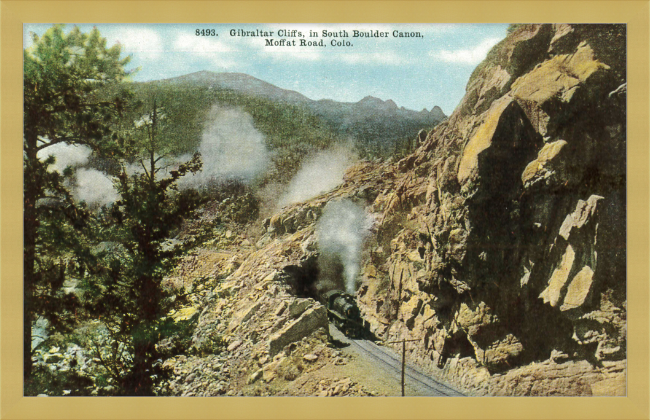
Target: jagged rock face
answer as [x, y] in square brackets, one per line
[499, 244]
[503, 239]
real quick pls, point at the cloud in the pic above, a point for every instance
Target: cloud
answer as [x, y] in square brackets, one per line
[147, 43]
[466, 56]
[91, 185]
[201, 46]
[386, 57]
[321, 173]
[257, 45]
[226, 63]
[217, 51]
[284, 53]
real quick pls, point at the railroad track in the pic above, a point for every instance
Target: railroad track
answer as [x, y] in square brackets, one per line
[392, 362]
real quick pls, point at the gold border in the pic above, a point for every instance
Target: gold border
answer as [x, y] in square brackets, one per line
[14, 13]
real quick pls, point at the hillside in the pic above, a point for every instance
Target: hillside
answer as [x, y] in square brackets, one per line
[379, 127]
[291, 126]
[499, 244]
[289, 133]
[496, 246]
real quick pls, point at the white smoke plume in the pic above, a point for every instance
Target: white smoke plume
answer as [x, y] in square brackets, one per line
[319, 174]
[163, 166]
[341, 231]
[231, 148]
[94, 187]
[65, 155]
[90, 185]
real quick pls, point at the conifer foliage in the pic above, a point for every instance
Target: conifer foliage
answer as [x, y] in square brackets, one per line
[62, 75]
[133, 300]
[118, 254]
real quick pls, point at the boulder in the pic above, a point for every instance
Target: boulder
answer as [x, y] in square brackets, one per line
[275, 224]
[584, 212]
[280, 309]
[554, 83]
[551, 294]
[234, 345]
[579, 289]
[499, 354]
[255, 376]
[500, 148]
[298, 306]
[549, 168]
[572, 280]
[471, 320]
[184, 314]
[309, 322]
[244, 315]
[481, 140]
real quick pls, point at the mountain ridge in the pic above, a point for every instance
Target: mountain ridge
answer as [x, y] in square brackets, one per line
[374, 123]
[246, 83]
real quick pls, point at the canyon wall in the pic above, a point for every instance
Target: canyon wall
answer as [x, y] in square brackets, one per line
[502, 245]
[498, 246]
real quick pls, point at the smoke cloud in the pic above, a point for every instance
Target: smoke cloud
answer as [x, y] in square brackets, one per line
[163, 166]
[90, 185]
[65, 155]
[341, 231]
[94, 187]
[319, 174]
[231, 148]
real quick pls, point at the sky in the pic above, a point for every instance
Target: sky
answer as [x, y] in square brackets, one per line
[415, 72]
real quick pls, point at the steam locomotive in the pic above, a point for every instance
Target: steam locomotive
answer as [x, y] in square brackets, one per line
[343, 311]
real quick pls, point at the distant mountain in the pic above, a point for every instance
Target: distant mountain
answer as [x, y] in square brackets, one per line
[437, 113]
[374, 123]
[242, 83]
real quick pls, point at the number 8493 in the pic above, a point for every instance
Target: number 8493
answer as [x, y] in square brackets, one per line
[206, 32]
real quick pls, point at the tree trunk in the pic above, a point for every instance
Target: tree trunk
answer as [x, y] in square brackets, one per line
[29, 250]
[139, 381]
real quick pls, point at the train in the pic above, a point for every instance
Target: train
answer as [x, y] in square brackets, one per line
[343, 311]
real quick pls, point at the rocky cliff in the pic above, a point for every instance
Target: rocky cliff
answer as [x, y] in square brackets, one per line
[499, 244]
[503, 243]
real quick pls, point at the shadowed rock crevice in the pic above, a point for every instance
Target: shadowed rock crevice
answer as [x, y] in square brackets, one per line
[302, 278]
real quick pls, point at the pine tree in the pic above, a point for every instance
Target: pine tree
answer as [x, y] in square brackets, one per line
[62, 76]
[132, 299]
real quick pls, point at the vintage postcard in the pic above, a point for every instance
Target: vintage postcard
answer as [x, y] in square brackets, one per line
[325, 209]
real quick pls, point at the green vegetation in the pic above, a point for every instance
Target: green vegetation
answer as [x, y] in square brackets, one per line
[132, 299]
[62, 74]
[291, 132]
[94, 275]
[119, 256]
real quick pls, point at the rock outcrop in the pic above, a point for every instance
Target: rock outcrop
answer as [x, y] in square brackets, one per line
[308, 323]
[498, 246]
[504, 241]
